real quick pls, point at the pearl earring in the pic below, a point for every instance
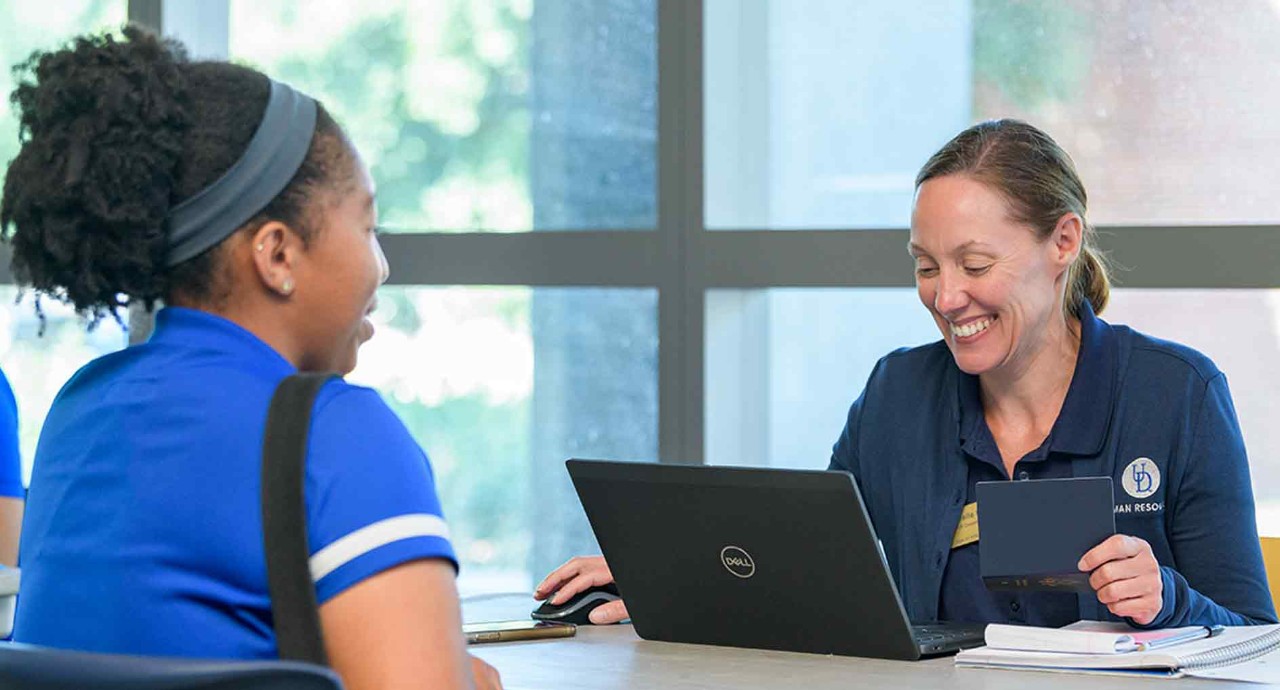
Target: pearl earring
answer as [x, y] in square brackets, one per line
[287, 286]
[260, 247]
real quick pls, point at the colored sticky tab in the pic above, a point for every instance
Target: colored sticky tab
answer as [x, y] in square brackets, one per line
[967, 529]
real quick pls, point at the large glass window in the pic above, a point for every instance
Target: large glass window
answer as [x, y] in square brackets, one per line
[1165, 107]
[820, 118]
[36, 365]
[784, 364]
[818, 115]
[501, 386]
[480, 115]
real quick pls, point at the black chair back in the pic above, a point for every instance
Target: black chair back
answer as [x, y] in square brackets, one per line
[28, 667]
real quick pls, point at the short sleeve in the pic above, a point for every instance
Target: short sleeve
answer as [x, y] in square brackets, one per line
[370, 492]
[10, 462]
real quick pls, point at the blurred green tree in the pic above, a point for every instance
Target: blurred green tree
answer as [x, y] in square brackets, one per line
[1030, 54]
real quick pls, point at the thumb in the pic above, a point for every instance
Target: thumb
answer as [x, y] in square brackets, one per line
[611, 612]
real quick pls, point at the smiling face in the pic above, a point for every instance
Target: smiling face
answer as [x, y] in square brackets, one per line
[993, 287]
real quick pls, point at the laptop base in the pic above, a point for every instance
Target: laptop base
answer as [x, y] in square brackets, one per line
[936, 639]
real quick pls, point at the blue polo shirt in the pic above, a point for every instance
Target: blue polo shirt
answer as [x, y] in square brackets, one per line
[143, 531]
[10, 463]
[1155, 416]
[960, 600]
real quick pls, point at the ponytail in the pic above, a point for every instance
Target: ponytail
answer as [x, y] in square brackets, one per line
[1088, 279]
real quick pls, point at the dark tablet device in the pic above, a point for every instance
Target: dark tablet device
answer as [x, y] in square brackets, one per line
[1032, 533]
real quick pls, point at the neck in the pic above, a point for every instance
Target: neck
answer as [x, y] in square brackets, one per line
[1030, 393]
[265, 321]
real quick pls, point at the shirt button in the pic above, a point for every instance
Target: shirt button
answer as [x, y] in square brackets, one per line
[1024, 475]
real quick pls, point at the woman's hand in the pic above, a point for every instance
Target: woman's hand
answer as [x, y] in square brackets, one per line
[1126, 577]
[484, 675]
[579, 574]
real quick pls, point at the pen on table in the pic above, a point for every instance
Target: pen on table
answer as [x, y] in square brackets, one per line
[1197, 633]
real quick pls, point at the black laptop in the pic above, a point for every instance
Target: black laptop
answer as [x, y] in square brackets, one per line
[758, 558]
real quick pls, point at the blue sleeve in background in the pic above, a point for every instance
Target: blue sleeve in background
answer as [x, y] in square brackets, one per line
[10, 465]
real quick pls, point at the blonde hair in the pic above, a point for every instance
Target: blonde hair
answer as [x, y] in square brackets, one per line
[1040, 183]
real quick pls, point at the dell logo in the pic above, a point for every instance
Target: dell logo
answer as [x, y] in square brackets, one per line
[738, 562]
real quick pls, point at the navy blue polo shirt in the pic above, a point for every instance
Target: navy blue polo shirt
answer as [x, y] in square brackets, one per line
[964, 597]
[143, 530]
[10, 463]
[1154, 416]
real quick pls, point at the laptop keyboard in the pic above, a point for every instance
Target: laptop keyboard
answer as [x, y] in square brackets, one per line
[933, 639]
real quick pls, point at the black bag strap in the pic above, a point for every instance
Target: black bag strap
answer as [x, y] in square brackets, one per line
[284, 519]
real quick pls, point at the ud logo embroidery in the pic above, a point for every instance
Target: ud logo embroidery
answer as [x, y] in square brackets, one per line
[1141, 478]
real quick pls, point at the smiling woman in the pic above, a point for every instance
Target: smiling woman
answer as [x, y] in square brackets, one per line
[1029, 382]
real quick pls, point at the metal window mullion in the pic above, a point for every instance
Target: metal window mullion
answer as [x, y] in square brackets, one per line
[1197, 257]
[1193, 257]
[680, 203]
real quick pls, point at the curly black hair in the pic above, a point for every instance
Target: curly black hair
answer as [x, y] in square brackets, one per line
[114, 132]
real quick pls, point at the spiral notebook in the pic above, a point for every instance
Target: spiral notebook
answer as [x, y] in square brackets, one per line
[1244, 653]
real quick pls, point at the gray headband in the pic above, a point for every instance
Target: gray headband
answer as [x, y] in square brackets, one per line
[273, 156]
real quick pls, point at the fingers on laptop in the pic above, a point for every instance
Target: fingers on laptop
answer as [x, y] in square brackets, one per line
[612, 612]
[579, 573]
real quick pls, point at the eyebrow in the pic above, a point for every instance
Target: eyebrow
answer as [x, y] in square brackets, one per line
[916, 250]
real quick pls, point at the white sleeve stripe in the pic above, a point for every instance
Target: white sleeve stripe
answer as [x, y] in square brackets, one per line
[370, 537]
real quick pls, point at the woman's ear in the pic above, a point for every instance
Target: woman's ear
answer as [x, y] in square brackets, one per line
[1068, 236]
[276, 249]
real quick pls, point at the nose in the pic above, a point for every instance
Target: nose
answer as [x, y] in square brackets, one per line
[952, 296]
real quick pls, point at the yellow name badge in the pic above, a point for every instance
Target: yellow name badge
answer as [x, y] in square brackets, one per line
[967, 530]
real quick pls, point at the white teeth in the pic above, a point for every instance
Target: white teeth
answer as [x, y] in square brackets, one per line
[970, 328]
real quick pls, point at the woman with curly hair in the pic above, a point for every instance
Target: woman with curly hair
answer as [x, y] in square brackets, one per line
[241, 205]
